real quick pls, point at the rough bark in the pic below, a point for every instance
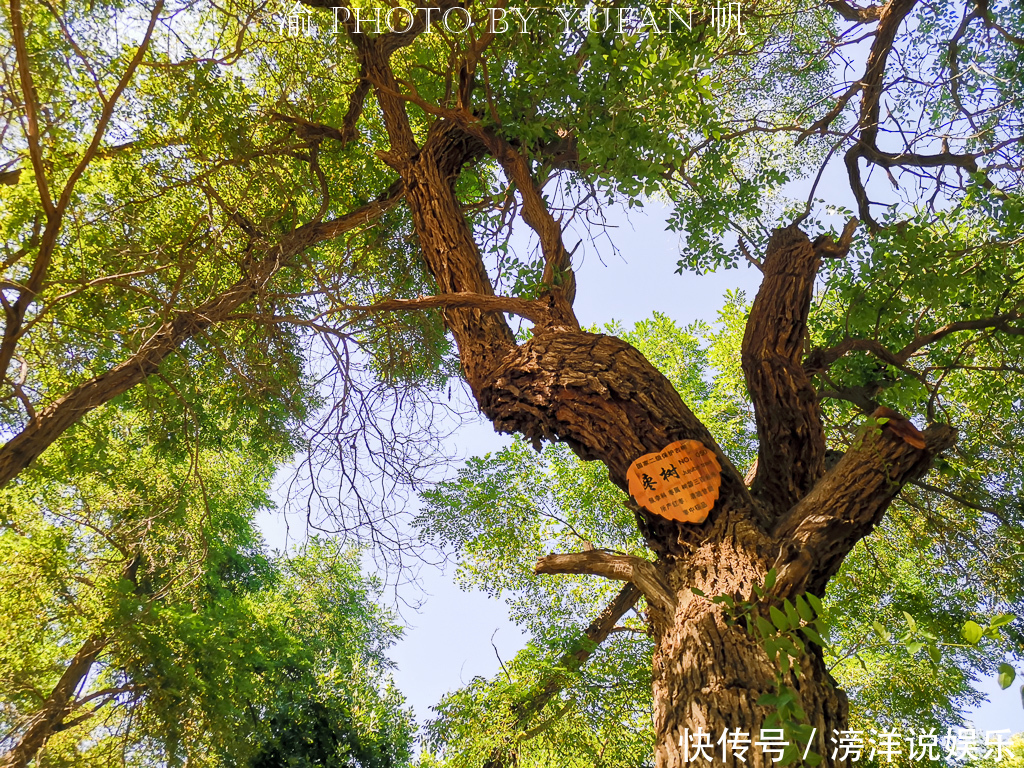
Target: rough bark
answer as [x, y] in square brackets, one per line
[58, 705]
[817, 533]
[603, 398]
[708, 675]
[791, 439]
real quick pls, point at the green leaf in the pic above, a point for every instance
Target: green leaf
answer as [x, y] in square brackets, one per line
[770, 578]
[971, 632]
[813, 636]
[815, 603]
[881, 631]
[1006, 676]
[910, 622]
[914, 647]
[804, 609]
[778, 618]
[791, 614]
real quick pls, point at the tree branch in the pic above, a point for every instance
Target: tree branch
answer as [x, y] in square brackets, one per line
[51, 422]
[596, 562]
[789, 428]
[532, 310]
[449, 250]
[56, 707]
[598, 631]
[55, 211]
[854, 13]
[605, 399]
[890, 16]
[557, 266]
[846, 504]
[821, 359]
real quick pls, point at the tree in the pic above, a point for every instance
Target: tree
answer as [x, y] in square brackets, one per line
[143, 620]
[896, 613]
[230, 215]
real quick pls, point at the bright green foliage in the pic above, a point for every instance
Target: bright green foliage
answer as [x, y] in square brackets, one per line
[600, 717]
[214, 652]
[135, 526]
[948, 551]
[1014, 758]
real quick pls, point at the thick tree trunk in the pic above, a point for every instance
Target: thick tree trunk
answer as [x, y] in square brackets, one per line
[707, 680]
[602, 397]
[708, 674]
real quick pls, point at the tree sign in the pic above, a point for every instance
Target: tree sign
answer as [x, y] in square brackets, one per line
[680, 481]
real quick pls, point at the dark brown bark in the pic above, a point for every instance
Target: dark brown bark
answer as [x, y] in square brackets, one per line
[597, 393]
[791, 439]
[58, 705]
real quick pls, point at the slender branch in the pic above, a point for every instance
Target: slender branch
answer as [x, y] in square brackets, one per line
[598, 631]
[998, 322]
[261, 265]
[55, 212]
[596, 562]
[821, 359]
[557, 264]
[531, 310]
[28, 90]
[822, 124]
[959, 499]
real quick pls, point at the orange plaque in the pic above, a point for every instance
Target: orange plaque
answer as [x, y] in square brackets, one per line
[680, 481]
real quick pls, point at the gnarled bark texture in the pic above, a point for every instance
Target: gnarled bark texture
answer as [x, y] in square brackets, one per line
[708, 675]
